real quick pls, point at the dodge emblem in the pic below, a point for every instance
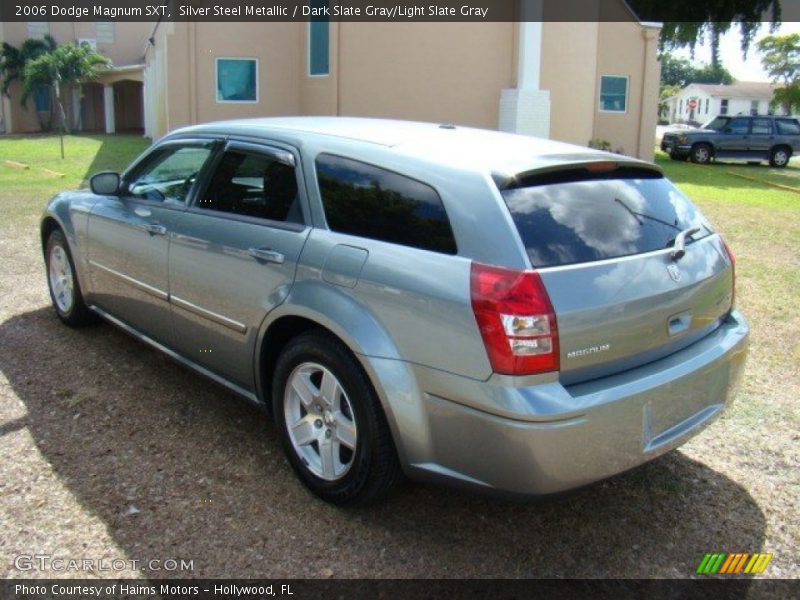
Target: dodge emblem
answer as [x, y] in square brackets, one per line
[674, 272]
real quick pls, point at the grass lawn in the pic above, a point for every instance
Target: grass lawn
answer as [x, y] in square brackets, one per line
[25, 191]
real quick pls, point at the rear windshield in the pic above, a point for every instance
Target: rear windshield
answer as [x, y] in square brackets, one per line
[583, 221]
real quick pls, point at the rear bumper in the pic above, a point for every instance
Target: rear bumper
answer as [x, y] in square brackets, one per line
[547, 438]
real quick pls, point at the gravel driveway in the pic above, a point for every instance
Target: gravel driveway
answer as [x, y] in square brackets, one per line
[112, 451]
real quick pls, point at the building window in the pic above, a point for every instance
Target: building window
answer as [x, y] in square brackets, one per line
[42, 98]
[754, 108]
[680, 107]
[91, 42]
[319, 43]
[237, 80]
[723, 106]
[366, 201]
[707, 101]
[104, 30]
[38, 29]
[613, 93]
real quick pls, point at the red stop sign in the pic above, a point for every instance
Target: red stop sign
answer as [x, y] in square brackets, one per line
[692, 104]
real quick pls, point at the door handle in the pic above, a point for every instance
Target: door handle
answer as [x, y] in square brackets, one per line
[266, 255]
[154, 229]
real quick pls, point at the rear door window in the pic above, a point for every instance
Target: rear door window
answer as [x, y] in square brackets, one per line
[762, 127]
[567, 222]
[368, 201]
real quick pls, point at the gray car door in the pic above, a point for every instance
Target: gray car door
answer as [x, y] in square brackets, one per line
[734, 139]
[129, 237]
[233, 256]
[761, 137]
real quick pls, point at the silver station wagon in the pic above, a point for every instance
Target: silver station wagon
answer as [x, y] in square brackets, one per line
[494, 311]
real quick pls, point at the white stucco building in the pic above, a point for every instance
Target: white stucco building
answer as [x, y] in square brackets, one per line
[699, 102]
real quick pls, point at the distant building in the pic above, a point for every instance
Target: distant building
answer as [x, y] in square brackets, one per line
[699, 102]
[567, 81]
[113, 102]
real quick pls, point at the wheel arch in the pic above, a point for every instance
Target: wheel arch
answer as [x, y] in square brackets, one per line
[48, 225]
[782, 145]
[318, 305]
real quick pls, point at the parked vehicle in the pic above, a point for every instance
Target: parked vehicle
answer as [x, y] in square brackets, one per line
[494, 311]
[774, 139]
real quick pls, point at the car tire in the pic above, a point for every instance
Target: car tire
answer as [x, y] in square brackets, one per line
[779, 157]
[701, 154]
[62, 282]
[331, 423]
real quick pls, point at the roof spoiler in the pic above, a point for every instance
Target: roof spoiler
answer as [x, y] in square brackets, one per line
[588, 170]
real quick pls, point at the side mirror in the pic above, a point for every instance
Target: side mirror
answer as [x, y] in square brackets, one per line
[727, 130]
[105, 183]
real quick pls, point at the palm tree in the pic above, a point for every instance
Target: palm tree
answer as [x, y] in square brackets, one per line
[66, 66]
[13, 61]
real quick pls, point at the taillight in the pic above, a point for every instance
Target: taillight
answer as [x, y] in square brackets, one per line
[733, 270]
[516, 320]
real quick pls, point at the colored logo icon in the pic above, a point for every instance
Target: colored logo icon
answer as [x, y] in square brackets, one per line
[720, 563]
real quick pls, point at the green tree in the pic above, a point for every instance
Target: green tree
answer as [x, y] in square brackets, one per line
[780, 57]
[64, 67]
[688, 22]
[13, 61]
[680, 72]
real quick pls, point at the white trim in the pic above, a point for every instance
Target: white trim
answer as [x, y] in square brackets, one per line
[308, 52]
[216, 80]
[529, 55]
[600, 108]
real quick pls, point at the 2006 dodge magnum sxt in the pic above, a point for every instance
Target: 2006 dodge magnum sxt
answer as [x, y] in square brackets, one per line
[505, 313]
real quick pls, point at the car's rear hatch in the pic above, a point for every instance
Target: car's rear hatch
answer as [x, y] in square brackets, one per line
[603, 239]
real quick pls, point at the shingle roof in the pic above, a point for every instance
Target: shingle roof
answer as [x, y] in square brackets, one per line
[740, 89]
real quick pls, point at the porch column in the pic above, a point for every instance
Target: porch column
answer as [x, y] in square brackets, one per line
[526, 108]
[108, 108]
[76, 109]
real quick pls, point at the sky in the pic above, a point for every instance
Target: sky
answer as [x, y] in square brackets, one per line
[731, 52]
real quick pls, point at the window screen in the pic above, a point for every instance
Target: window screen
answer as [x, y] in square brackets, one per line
[613, 93]
[237, 80]
[253, 185]
[367, 201]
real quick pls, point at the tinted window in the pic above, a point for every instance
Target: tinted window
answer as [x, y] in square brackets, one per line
[168, 173]
[738, 126]
[371, 202]
[717, 124]
[787, 126]
[584, 221]
[253, 185]
[761, 127]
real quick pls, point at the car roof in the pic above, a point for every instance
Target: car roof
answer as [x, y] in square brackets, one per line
[458, 146]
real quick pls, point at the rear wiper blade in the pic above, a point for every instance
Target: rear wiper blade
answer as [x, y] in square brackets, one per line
[679, 247]
[638, 216]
